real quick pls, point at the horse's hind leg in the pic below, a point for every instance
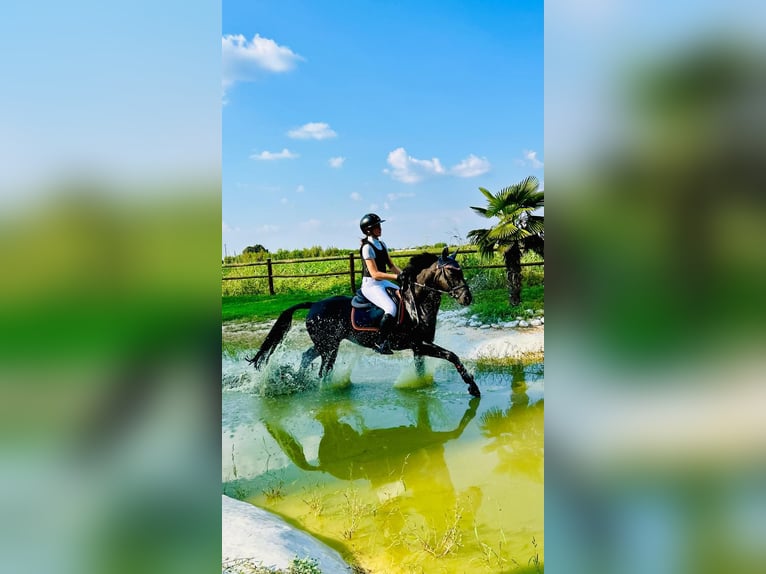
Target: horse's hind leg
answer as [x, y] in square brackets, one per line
[328, 360]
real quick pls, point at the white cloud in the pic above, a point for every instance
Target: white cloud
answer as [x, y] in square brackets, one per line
[271, 156]
[300, 189]
[408, 169]
[471, 166]
[530, 159]
[395, 196]
[336, 162]
[242, 59]
[355, 196]
[312, 131]
[284, 201]
[225, 228]
[267, 229]
[310, 225]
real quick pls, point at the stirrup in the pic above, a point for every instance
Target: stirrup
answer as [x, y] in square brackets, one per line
[383, 348]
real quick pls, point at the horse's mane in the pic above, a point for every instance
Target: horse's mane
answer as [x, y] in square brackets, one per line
[419, 262]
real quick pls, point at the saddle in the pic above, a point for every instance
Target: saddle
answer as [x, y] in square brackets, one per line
[365, 316]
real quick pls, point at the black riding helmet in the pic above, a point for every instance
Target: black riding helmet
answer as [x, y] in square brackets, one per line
[368, 222]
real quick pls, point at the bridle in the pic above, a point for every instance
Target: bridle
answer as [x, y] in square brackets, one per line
[453, 290]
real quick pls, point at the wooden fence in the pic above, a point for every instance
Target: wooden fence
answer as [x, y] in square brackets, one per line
[352, 271]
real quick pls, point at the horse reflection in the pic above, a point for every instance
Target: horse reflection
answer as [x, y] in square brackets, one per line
[405, 465]
[517, 432]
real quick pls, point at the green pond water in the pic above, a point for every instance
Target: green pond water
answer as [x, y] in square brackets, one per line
[412, 477]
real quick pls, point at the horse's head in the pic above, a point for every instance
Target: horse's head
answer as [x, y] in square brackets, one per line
[448, 277]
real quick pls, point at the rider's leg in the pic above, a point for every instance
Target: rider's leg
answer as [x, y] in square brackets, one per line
[387, 324]
[375, 291]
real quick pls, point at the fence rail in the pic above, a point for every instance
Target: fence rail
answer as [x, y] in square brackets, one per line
[352, 270]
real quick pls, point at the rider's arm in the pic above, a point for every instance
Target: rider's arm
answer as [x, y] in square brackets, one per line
[378, 275]
[393, 266]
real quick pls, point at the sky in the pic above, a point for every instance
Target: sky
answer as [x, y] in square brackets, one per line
[102, 89]
[336, 109]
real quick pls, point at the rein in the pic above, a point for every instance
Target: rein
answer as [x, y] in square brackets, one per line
[450, 292]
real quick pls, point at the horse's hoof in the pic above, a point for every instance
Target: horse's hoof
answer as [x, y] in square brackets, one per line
[474, 390]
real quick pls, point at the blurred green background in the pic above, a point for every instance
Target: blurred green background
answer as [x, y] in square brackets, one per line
[656, 270]
[110, 292]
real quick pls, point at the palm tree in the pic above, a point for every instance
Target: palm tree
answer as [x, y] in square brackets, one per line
[518, 229]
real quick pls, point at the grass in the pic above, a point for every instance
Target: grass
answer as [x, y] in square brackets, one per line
[491, 305]
[353, 510]
[247, 566]
[442, 543]
[267, 307]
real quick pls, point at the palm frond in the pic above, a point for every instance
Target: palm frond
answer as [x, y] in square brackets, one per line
[535, 224]
[485, 244]
[535, 243]
[514, 207]
[506, 234]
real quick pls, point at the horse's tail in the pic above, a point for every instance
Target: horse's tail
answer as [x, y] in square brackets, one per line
[277, 333]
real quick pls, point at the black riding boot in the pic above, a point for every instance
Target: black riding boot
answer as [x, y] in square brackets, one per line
[387, 324]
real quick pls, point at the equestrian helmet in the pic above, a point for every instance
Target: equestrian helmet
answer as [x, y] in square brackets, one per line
[368, 222]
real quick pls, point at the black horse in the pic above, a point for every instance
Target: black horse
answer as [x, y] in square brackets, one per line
[329, 321]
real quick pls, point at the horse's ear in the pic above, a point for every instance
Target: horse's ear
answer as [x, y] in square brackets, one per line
[455, 253]
[445, 253]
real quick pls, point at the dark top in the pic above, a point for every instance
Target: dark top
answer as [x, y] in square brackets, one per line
[381, 258]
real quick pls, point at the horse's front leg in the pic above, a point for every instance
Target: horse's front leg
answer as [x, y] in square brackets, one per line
[431, 350]
[420, 365]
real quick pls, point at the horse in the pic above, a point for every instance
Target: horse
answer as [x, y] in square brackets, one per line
[329, 321]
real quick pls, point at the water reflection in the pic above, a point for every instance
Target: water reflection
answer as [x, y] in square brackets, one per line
[353, 451]
[516, 433]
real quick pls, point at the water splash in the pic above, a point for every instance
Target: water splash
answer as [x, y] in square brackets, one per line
[410, 379]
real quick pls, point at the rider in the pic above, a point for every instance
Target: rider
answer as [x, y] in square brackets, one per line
[375, 277]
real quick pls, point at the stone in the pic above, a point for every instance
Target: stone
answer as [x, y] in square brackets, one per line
[251, 533]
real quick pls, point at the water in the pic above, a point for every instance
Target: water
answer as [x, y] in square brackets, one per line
[400, 474]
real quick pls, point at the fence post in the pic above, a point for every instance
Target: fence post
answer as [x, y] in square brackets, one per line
[351, 271]
[271, 276]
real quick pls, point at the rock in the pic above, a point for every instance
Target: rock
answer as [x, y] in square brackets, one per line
[251, 533]
[523, 323]
[535, 322]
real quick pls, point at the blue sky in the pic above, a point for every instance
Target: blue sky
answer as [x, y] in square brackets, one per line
[335, 109]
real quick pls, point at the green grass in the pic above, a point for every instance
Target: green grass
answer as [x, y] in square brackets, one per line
[491, 305]
[268, 307]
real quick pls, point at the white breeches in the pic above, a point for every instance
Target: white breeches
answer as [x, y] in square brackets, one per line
[375, 291]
